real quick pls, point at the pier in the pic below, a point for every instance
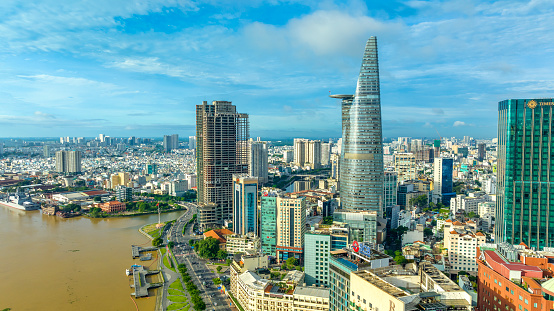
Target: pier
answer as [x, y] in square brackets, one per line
[136, 250]
[140, 284]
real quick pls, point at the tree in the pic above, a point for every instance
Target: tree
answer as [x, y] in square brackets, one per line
[207, 248]
[157, 242]
[427, 232]
[400, 259]
[218, 268]
[171, 244]
[97, 199]
[221, 254]
[419, 201]
[472, 215]
[328, 220]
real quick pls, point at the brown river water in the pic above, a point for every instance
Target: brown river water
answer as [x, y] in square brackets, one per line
[51, 263]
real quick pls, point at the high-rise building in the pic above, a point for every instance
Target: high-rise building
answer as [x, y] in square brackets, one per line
[362, 225]
[291, 227]
[443, 184]
[258, 160]
[170, 142]
[46, 151]
[245, 204]
[268, 224]
[124, 178]
[481, 151]
[335, 166]
[316, 264]
[405, 166]
[391, 188]
[221, 151]
[192, 142]
[325, 154]
[307, 153]
[151, 168]
[68, 162]
[524, 172]
[361, 177]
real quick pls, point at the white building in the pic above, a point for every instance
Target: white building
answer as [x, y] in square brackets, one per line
[405, 166]
[178, 187]
[461, 240]
[242, 243]
[467, 203]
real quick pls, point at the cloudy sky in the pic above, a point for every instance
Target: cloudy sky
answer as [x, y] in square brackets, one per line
[138, 68]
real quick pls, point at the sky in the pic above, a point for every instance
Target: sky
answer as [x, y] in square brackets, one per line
[138, 68]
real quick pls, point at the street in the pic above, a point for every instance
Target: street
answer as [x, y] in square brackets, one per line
[197, 269]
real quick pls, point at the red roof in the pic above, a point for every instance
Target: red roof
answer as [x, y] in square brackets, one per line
[448, 220]
[502, 266]
[457, 223]
[479, 234]
[218, 234]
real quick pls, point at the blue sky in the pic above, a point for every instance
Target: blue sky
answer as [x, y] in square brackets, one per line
[138, 68]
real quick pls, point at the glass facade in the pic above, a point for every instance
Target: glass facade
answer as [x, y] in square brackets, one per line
[362, 225]
[316, 262]
[268, 220]
[361, 168]
[390, 187]
[245, 201]
[524, 172]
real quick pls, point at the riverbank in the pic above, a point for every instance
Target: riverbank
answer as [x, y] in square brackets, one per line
[136, 214]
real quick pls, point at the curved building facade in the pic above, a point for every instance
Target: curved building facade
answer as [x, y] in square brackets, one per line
[361, 169]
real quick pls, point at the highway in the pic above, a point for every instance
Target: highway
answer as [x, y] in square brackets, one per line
[197, 269]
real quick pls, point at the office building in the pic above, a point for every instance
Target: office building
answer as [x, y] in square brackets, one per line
[245, 204]
[255, 293]
[291, 227]
[405, 166]
[177, 188]
[342, 263]
[361, 176]
[151, 168]
[221, 151]
[461, 240]
[192, 142]
[124, 178]
[68, 162]
[268, 224]
[468, 204]
[513, 277]
[319, 244]
[242, 244]
[258, 160]
[524, 170]
[399, 289]
[123, 193]
[391, 188]
[481, 151]
[362, 225]
[335, 166]
[443, 184]
[288, 156]
[426, 155]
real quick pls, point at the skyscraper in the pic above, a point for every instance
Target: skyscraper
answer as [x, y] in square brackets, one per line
[258, 160]
[524, 172]
[361, 163]
[307, 153]
[245, 204]
[46, 151]
[481, 151]
[221, 151]
[192, 142]
[268, 223]
[443, 184]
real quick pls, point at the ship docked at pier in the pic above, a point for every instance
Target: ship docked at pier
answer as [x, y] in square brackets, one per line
[19, 200]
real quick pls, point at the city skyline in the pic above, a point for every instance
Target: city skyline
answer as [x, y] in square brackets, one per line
[140, 69]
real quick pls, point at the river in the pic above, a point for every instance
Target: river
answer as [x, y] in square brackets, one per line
[51, 263]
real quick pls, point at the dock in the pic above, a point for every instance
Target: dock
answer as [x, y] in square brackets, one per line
[136, 250]
[140, 284]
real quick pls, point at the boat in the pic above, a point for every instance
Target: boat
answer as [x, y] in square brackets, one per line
[19, 200]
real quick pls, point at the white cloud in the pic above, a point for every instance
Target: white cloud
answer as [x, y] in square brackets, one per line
[459, 123]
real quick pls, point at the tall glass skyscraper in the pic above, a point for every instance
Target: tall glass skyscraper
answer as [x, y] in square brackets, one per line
[525, 172]
[361, 162]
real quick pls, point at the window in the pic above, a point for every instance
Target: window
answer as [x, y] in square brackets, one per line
[520, 298]
[526, 302]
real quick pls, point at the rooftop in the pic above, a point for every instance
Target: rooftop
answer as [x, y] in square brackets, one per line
[312, 291]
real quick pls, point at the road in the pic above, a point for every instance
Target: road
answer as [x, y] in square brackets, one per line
[197, 268]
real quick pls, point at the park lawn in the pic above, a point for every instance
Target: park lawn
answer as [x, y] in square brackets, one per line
[163, 250]
[168, 264]
[186, 308]
[177, 285]
[177, 298]
[177, 306]
[152, 230]
[175, 292]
